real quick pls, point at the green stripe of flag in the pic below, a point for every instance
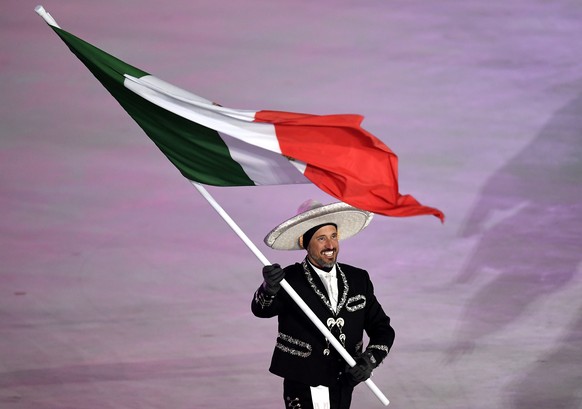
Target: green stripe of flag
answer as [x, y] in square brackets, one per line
[198, 152]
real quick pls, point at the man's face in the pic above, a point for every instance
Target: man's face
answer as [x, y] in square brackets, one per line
[323, 247]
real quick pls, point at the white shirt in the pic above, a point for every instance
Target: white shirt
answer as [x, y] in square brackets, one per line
[330, 282]
[320, 394]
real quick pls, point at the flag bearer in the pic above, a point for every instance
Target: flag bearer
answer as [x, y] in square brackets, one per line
[342, 296]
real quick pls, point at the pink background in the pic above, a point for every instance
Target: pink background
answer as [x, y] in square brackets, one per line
[121, 288]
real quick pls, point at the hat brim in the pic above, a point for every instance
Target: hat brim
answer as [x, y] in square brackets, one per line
[349, 220]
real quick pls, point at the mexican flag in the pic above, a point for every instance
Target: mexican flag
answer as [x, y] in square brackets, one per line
[220, 146]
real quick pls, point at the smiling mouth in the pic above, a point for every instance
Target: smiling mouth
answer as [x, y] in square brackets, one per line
[328, 253]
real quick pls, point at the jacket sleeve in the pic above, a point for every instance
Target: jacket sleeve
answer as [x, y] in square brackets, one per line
[265, 305]
[378, 328]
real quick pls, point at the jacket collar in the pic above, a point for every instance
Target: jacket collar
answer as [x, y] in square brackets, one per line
[319, 289]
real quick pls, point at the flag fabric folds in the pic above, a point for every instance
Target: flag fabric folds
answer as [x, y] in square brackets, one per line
[219, 146]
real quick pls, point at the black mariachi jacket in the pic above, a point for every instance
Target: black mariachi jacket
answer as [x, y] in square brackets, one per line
[302, 353]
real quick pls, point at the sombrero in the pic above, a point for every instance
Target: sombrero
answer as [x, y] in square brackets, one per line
[349, 221]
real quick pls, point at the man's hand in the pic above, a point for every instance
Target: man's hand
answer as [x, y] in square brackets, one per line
[365, 364]
[272, 275]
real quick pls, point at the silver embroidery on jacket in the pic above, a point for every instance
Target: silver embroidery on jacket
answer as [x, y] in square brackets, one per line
[380, 347]
[356, 303]
[293, 341]
[325, 300]
[263, 299]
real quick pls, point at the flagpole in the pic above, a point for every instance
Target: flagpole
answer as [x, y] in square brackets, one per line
[46, 16]
[287, 287]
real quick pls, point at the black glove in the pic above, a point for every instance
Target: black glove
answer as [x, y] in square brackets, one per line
[272, 275]
[365, 364]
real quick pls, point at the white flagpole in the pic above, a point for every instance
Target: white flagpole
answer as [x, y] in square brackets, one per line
[287, 287]
[46, 16]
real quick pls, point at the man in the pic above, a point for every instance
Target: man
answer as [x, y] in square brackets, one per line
[342, 297]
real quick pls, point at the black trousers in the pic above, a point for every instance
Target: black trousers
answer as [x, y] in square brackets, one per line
[298, 395]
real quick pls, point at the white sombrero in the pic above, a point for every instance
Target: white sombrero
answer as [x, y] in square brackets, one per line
[348, 219]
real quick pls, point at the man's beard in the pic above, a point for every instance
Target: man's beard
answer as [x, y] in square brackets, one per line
[324, 263]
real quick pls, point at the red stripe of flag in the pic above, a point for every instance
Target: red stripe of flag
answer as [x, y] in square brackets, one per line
[345, 161]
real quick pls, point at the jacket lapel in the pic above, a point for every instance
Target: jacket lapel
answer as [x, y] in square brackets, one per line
[316, 284]
[318, 287]
[342, 288]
